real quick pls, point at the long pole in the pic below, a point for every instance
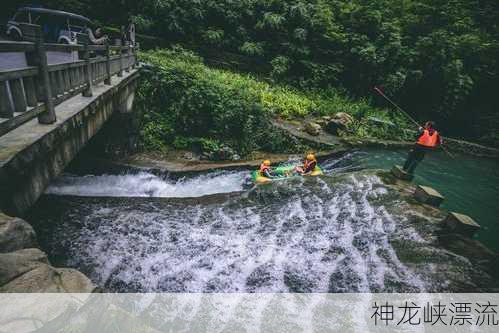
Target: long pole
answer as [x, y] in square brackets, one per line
[407, 115]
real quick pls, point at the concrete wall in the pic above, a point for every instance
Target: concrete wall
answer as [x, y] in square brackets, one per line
[33, 154]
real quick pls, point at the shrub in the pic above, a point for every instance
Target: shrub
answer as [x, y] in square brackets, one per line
[181, 98]
[251, 49]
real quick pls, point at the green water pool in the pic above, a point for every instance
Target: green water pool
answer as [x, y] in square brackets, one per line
[470, 184]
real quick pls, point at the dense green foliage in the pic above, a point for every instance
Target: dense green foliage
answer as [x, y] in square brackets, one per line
[439, 58]
[188, 104]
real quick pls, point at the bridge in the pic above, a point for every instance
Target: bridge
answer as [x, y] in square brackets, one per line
[49, 111]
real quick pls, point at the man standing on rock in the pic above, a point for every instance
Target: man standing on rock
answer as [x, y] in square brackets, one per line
[428, 139]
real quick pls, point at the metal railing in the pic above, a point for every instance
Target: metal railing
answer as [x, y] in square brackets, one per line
[35, 90]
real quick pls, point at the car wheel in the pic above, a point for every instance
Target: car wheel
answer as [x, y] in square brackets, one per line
[15, 35]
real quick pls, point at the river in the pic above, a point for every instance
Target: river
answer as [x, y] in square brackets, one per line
[342, 232]
[469, 184]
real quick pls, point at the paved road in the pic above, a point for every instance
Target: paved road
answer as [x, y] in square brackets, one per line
[12, 60]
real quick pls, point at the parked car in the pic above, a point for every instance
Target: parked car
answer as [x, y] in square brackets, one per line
[57, 26]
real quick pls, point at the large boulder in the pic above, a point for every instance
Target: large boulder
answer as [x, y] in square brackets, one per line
[334, 126]
[47, 279]
[15, 234]
[312, 128]
[74, 281]
[323, 121]
[343, 117]
[15, 264]
[338, 122]
[28, 270]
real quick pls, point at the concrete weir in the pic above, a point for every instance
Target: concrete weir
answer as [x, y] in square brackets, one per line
[428, 195]
[461, 224]
[398, 172]
[33, 154]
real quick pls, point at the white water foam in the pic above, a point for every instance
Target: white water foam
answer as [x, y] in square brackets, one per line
[317, 237]
[146, 184]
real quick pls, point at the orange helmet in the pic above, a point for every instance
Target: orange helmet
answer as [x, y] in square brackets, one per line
[311, 157]
[266, 162]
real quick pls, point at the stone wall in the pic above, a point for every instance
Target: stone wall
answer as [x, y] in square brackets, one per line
[118, 138]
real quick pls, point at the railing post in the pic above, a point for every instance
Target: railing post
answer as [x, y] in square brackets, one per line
[127, 67]
[136, 58]
[108, 64]
[120, 73]
[16, 89]
[87, 92]
[30, 89]
[6, 108]
[40, 60]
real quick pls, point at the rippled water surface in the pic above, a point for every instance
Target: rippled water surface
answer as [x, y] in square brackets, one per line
[343, 232]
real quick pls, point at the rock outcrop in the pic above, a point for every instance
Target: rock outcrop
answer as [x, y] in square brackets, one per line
[313, 128]
[339, 121]
[15, 234]
[334, 125]
[343, 117]
[15, 264]
[24, 268]
[47, 279]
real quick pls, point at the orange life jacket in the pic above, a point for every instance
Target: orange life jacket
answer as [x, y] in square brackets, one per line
[428, 140]
[309, 166]
[263, 167]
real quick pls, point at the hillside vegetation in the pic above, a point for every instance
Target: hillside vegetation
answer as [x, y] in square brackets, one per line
[438, 58]
[188, 104]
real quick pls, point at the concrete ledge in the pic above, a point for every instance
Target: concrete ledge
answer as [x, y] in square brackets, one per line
[428, 195]
[461, 224]
[398, 172]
